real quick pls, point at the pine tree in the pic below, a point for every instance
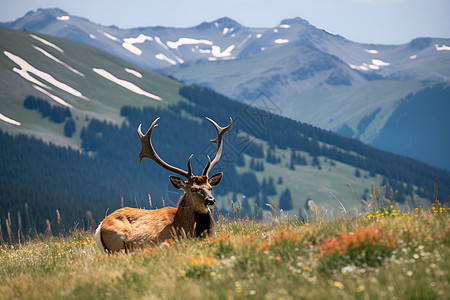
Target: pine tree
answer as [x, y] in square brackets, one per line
[280, 180]
[69, 128]
[285, 202]
[252, 164]
[269, 188]
[292, 160]
[250, 184]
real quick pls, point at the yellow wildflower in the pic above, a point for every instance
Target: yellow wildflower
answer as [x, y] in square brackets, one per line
[360, 288]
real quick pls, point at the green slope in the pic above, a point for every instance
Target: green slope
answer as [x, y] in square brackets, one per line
[105, 98]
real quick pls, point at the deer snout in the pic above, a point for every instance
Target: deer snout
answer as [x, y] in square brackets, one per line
[210, 202]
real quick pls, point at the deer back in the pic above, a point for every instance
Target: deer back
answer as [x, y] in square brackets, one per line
[128, 228]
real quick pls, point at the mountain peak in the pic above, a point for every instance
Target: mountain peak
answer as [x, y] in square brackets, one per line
[53, 11]
[296, 20]
[221, 23]
[226, 21]
[36, 20]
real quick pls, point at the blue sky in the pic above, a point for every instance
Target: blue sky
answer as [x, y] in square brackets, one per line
[369, 21]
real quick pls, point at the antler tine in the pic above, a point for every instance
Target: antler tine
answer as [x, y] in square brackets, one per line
[205, 170]
[148, 151]
[220, 132]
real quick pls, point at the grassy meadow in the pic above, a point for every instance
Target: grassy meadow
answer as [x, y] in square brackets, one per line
[384, 253]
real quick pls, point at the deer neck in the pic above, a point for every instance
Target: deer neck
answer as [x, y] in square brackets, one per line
[191, 220]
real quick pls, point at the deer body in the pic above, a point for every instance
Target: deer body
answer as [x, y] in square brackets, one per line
[129, 228]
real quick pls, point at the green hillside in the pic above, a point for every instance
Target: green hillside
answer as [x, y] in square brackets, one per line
[104, 98]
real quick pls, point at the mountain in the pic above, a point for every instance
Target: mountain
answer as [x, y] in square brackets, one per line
[311, 75]
[149, 47]
[57, 93]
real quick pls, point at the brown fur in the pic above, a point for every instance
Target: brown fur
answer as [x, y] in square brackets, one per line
[128, 228]
[199, 179]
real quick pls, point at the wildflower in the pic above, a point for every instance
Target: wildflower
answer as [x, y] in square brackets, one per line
[360, 288]
[264, 245]
[347, 269]
[238, 287]
[277, 258]
[338, 284]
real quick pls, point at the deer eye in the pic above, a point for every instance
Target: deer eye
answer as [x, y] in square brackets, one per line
[194, 190]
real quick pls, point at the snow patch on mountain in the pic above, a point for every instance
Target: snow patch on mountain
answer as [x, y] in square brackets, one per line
[285, 26]
[158, 40]
[111, 37]
[26, 69]
[56, 98]
[181, 61]
[162, 57]
[9, 120]
[375, 65]
[134, 72]
[215, 51]
[364, 67]
[133, 49]
[58, 61]
[372, 51]
[46, 42]
[442, 48]
[281, 41]
[129, 43]
[126, 84]
[187, 41]
[141, 38]
[380, 63]
[63, 18]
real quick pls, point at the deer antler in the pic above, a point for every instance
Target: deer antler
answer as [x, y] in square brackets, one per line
[220, 132]
[148, 151]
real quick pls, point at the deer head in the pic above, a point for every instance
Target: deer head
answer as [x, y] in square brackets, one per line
[197, 189]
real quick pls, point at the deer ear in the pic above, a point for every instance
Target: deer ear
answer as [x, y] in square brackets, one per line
[177, 182]
[215, 179]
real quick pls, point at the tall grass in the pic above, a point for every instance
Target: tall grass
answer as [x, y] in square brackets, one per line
[384, 252]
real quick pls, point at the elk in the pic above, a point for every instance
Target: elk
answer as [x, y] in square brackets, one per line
[128, 228]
